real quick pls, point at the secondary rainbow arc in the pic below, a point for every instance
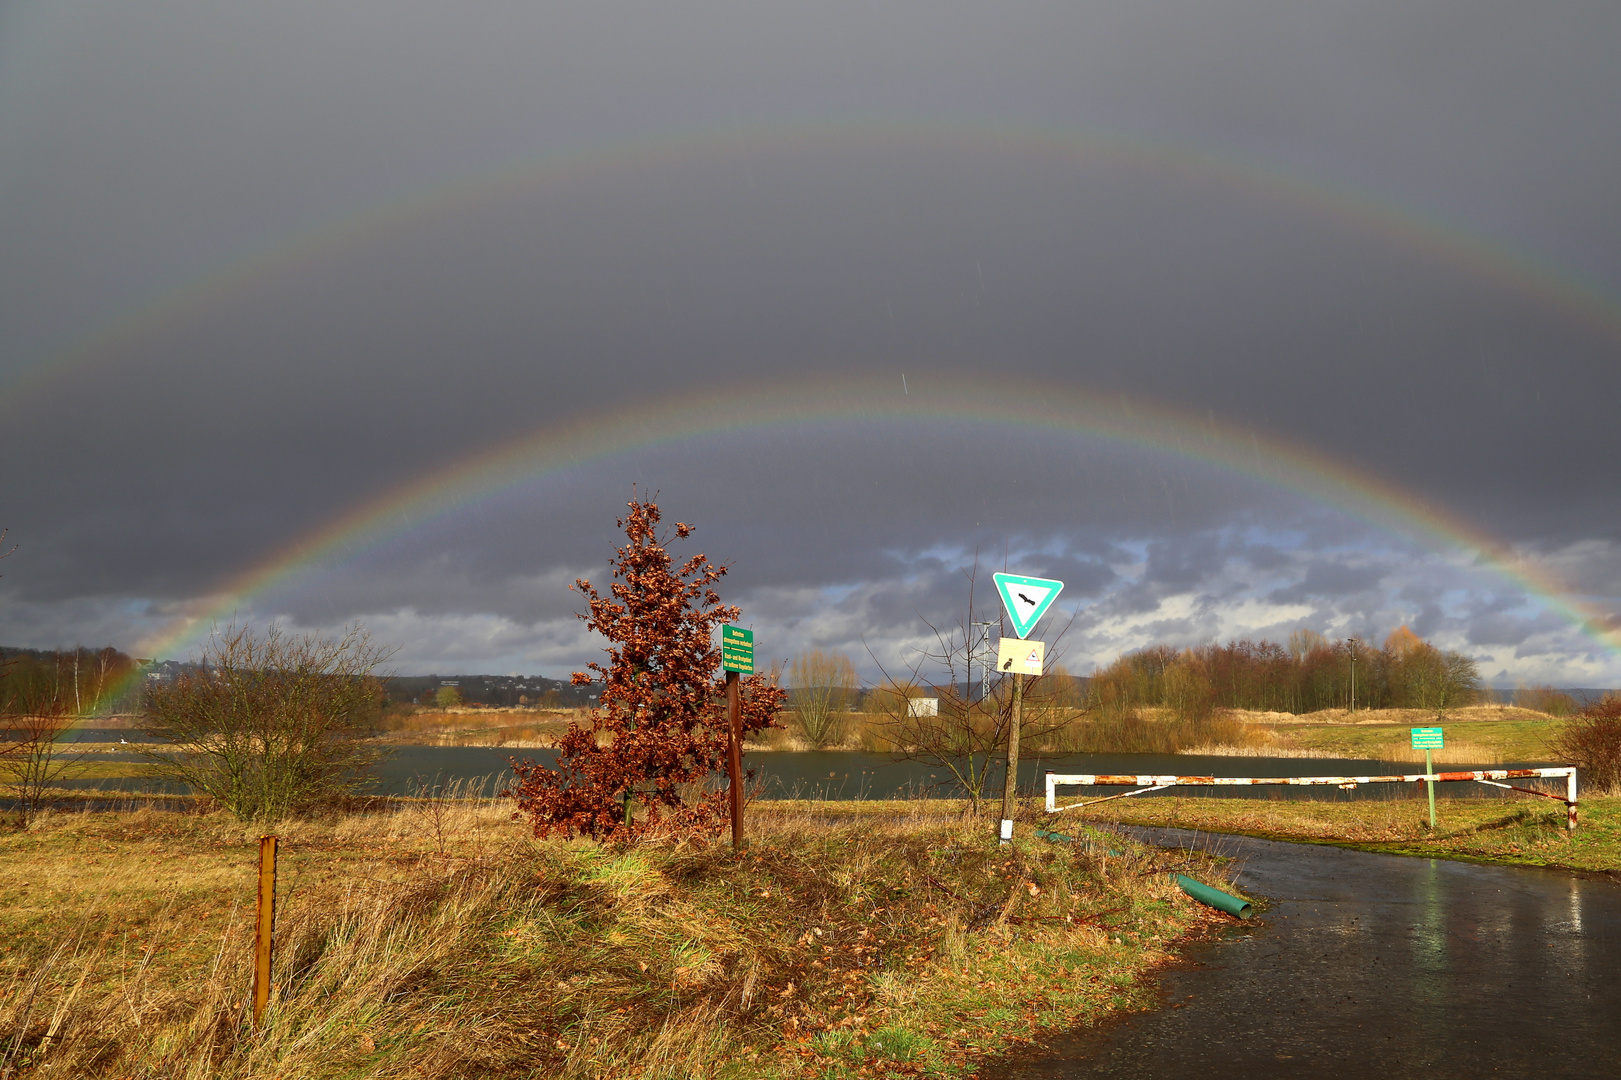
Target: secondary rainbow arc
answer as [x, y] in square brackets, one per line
[1560, 289]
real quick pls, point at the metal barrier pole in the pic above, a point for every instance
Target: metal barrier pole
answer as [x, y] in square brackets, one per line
[1570, 800]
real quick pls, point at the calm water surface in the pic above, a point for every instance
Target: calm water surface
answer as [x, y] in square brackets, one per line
[854, 775]
[1380, 966]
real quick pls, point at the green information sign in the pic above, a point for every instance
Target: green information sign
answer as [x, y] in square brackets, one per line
[1428, 738]
[737, 649]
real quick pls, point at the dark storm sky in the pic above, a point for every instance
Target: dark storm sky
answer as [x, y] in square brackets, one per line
[260, 264]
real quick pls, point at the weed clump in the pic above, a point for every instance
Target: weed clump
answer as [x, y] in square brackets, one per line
[1591, 740]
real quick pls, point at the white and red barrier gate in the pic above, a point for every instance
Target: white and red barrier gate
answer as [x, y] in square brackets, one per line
[1494, 777]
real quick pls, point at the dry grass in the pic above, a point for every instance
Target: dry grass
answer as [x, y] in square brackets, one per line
[892, 942]
[1409, 717]
[520, 728]
[1483, 735]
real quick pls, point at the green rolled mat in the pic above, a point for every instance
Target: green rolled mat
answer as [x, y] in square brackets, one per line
[1215, 898]
[1060, 838]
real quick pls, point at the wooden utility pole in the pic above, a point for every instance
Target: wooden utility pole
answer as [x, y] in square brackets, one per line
[1010, 787]
[1352, 643]
[262, 944]
[734, 757]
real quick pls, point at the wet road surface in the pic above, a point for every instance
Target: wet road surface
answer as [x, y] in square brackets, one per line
[1378, 966]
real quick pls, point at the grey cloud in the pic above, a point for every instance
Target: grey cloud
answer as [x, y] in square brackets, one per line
[146, 146]
[1500, 630]
[1331, 578]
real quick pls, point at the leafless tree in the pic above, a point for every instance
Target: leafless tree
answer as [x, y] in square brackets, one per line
[36, 717]
[821, 685]
[269, 725]
[964, 737]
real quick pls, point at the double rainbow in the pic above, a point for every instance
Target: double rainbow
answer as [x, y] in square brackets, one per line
[768, 405]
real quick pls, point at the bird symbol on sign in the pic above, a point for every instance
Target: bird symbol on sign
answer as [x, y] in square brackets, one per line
[1027, 600]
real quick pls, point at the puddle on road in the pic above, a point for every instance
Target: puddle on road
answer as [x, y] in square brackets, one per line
[1378, 965]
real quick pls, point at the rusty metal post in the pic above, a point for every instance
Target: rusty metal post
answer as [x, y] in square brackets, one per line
[734, 757]
[266, 926]
[1570, 801]
[1010, 786]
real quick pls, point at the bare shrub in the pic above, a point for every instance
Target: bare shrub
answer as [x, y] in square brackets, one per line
[821, 687]
[269, 725]
[1591, 741]
[963, 737]
[36, 717]
[1544, 699]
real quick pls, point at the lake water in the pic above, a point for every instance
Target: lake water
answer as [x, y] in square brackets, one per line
[840, 775]
[1375, 965]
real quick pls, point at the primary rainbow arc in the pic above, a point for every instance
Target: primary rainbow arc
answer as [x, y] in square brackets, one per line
[770, 405]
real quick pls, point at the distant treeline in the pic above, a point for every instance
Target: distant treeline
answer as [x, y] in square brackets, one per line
[76, 682]
[1308, 674]
[495, 690]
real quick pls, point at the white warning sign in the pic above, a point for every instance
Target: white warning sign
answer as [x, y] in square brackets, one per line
[1015, 656]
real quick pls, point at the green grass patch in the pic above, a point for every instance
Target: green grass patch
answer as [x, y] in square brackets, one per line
[1483, 741]
[1521, 831]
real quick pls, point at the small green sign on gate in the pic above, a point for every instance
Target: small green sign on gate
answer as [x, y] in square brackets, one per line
[1428, 738]
[737, 649]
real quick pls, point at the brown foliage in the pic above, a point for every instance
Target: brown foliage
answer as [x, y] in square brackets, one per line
[1311, 673]
[660, 728]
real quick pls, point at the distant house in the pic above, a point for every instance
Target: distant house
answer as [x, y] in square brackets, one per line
[162, 671]
[923, 706]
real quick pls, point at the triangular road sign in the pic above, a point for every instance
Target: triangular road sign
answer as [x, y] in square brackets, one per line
[1026, 599]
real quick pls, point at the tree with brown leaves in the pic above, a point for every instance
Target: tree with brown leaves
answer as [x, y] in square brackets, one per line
[659, 733]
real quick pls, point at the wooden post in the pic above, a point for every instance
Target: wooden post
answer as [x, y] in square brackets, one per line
[266, 926]
[734, 758]
[1010, 787]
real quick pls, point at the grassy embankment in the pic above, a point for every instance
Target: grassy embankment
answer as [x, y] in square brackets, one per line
[1475, 734]
[1481, 734]
[514, 727]
[1515, 829]
[435, 939]
[1522, 830]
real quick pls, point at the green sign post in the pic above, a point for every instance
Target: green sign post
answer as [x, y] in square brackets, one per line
[737, 649]
[736, 658]
[1427, 739]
